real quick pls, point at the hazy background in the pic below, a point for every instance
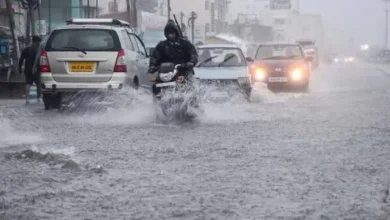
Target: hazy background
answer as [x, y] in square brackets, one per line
[361, 20]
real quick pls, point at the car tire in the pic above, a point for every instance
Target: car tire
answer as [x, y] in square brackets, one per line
[136, 82]
[305, 88]
[46, 101]
[248, 94]
[56, 101]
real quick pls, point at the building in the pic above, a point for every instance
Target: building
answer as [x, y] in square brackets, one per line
[211, 16]
[19, 17]
[55, 12]
[237, 8]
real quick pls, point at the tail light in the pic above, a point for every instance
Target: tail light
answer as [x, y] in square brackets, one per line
[180, 78]
[120, 65]
[44, 63]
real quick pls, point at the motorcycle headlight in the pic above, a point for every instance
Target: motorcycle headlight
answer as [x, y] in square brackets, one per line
[260, 74]
[165, 77]
[297, 74]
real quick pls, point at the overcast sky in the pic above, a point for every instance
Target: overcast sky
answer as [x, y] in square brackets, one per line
[363, 20]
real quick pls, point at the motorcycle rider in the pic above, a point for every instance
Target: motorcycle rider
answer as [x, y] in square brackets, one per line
[175, 50]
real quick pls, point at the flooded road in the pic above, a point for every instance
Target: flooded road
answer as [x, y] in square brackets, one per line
[323, 155]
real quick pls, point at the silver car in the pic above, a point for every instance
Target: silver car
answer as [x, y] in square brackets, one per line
[91, 55]
[224, 65]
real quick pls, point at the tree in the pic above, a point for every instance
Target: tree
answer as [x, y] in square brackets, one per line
[147, 5]
[11, 20]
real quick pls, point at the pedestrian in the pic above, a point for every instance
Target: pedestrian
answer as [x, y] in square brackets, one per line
[28, 56]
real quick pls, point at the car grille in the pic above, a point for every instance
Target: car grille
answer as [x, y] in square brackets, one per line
[277, 74]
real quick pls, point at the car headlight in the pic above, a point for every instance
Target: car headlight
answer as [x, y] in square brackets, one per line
[351, 59]
[297, 74]
[336, 60]
[165, 77]
[260, 74]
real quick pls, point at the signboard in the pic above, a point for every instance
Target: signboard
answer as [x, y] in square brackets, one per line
[41, 27]
[280, 5]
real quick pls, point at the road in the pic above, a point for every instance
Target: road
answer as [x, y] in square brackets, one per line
[323, 155]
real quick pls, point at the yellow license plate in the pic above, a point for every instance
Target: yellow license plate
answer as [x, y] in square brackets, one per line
[81, 66]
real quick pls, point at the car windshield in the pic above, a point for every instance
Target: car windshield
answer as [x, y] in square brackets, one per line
[220, 57]
[83, 40]
[279, 52]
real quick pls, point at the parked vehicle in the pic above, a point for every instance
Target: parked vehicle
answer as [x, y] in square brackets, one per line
[90, 55]
[309, 47]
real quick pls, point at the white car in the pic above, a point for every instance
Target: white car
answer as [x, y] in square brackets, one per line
[224, 65]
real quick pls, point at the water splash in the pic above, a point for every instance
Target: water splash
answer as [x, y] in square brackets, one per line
[11, 136]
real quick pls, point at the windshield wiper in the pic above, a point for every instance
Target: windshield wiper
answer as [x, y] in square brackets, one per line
[75, 48]
[206, 60]
[226, 59]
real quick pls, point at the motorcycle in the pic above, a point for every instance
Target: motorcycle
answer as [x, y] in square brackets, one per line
[175, 94]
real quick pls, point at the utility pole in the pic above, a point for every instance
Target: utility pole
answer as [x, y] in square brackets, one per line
[135, 11]
[39, 18]
[97, 9]
[181, 17]
[115, 5]
[191, 22]
[88, 9]
[49, 6]
[387, 24]
[169, 9]
[15, 53]
[128, 11]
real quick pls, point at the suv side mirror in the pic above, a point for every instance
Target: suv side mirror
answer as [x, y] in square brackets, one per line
[249, 59]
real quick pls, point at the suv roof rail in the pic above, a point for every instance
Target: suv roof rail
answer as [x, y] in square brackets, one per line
[98, 21]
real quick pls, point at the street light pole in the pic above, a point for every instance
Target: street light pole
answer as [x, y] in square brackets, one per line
[128, 10]
[387, 24]
[169, 9]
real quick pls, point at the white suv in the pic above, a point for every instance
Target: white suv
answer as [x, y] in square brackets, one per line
[91, 55]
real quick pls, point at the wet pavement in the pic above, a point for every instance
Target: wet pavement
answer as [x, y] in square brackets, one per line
[322, 155]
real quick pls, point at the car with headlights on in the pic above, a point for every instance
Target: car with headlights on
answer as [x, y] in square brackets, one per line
[224, 66]
[282, 65]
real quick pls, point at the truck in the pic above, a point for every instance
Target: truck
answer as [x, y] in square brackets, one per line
[311, 50]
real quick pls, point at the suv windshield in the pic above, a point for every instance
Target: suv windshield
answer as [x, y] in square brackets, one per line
[83, 40]
[279, 52]
[220, 57]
